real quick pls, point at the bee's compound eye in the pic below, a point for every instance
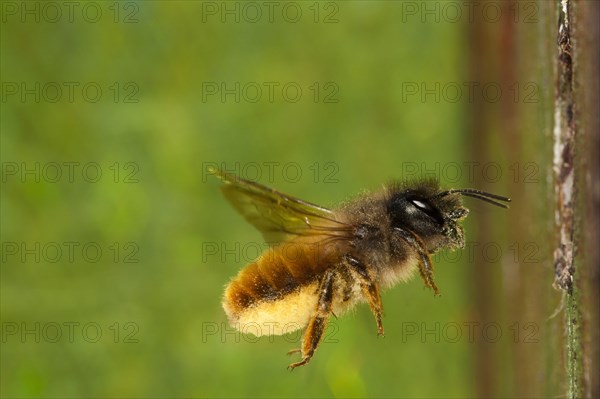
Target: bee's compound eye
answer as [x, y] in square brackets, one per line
[425, 207]
[421, 205]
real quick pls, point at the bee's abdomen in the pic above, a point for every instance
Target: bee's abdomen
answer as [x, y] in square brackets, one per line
[277, 287]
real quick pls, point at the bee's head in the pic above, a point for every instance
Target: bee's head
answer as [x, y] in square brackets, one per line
[432, 214]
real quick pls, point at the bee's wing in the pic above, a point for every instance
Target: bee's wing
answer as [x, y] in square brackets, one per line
[279, 216]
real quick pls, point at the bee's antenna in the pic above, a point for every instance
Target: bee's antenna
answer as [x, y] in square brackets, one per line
[481, 195]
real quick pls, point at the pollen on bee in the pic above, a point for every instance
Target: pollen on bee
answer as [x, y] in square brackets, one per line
[270, 317]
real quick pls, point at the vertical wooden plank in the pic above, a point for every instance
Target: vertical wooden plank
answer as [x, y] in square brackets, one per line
[586, 71]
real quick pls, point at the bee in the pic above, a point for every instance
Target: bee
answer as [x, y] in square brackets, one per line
[323, 262]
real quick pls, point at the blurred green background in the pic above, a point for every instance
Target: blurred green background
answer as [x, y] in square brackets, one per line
[154, 291]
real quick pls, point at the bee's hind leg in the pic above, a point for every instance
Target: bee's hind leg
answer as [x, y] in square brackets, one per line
[318, 322]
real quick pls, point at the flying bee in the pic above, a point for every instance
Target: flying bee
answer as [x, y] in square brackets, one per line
[323, 262]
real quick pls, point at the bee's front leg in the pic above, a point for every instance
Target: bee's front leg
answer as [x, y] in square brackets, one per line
[369, 288]
[425, 265]
[318, 323]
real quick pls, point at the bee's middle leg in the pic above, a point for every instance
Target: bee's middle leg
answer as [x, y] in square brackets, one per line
[318, 323]
[369, 288]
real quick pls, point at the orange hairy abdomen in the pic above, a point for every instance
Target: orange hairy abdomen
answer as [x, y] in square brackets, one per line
[279, 285]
